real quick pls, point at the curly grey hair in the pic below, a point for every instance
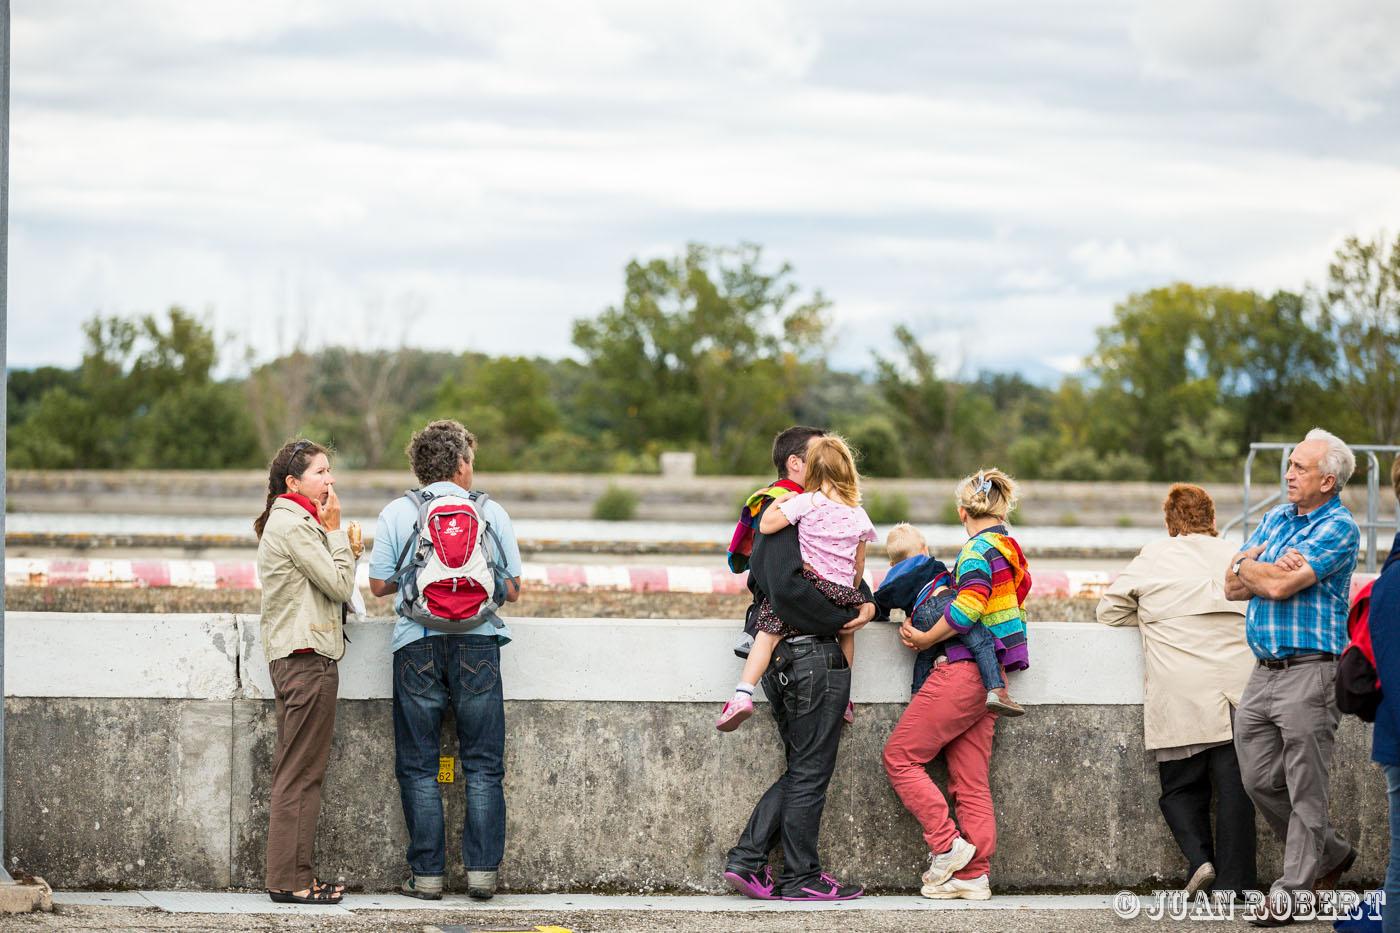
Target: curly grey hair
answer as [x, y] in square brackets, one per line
[436, 450]
[1338, 461]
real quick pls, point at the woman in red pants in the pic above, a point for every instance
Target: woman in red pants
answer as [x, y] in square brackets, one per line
[949, 713]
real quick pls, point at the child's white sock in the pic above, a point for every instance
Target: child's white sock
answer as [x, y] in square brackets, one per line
[745, 689]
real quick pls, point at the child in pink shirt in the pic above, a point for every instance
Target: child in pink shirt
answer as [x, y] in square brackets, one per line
[832, 532]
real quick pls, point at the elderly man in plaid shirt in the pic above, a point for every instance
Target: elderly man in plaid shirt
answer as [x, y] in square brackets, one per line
[1296, 571]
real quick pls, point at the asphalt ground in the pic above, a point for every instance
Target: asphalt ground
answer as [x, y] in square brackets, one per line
[554, 914]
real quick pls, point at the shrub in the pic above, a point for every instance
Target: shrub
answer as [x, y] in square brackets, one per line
[887, 508]
[877, 446]
[615, 505]
[1090, 465]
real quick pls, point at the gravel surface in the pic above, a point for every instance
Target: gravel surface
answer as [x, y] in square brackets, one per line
[83, 919]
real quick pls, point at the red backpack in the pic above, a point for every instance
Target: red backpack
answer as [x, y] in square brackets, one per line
[1358, 685]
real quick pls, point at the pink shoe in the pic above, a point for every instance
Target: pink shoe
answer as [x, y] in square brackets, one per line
[739, 708]
[850, 712]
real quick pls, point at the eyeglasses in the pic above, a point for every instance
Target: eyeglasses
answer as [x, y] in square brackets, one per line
[298, 448]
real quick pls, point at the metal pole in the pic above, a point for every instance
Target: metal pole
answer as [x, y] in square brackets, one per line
[4, 372]
[1373, 502]
[1248, 465]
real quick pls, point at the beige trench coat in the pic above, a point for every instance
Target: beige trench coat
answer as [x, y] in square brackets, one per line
[306, 574]
[1193, 644]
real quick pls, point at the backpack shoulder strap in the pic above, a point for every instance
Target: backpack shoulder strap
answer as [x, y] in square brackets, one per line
[495, 555]
[419, 498]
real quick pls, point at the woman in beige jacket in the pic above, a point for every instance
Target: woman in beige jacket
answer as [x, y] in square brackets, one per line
[307, 569]
[1196, 663]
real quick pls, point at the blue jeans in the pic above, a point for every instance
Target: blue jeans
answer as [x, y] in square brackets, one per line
[979, 640]
[430, 674]
[1390, 915]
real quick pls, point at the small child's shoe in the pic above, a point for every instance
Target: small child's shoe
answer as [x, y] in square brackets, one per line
[999, 701]
[739, 708]
[850, 715]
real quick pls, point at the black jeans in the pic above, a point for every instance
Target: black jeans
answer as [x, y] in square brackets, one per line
[808, 701]
[1185, 802]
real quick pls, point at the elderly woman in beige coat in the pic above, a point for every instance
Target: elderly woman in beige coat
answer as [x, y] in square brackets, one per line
[306, 564]
[1197, 663]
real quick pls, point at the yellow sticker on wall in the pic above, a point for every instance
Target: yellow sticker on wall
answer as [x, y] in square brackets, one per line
[445, 770]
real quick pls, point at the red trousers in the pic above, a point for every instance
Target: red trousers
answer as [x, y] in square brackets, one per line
[948, 715]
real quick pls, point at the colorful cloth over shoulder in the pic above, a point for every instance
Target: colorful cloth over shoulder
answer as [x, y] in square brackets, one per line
[741, 545]
[992, 582]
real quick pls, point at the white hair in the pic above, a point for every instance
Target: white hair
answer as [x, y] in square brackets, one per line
[1338, 461]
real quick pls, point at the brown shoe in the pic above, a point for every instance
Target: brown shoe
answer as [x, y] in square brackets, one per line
[1268, 916]
[1328, 882]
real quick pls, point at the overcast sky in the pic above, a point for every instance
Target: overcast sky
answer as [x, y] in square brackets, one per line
[994, 175]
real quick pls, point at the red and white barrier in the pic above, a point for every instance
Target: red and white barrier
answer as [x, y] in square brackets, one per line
[243, 575]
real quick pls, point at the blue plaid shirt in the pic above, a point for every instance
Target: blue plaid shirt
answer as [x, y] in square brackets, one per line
[1313, 619]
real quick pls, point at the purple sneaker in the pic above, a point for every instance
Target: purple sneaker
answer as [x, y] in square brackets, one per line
[826, 888]
[757, 885]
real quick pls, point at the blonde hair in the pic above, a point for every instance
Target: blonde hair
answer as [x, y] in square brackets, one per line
[987, 492]
[903, 542]
[831, 469]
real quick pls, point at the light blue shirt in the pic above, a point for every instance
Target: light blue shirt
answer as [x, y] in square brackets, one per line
[394, 529]
[1315, 618]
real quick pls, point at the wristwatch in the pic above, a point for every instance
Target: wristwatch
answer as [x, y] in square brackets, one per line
[1238, 564]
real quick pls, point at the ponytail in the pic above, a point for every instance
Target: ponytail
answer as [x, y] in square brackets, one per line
[987, 492]
[292, 460]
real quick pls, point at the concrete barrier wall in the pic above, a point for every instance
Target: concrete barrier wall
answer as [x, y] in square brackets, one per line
[138, 750]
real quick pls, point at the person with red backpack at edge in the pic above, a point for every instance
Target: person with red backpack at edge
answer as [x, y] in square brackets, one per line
[1384, 619]
[428, 549]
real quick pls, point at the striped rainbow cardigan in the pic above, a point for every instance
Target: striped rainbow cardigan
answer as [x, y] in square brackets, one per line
[992, 582]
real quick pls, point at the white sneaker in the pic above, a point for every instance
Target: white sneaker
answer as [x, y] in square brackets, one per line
[942, 865]
[974, 889]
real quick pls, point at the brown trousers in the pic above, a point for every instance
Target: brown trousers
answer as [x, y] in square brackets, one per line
[305, 686]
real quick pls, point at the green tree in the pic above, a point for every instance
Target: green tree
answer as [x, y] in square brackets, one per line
[144, 396]
[1271, 358]
[1362, 303]
[705, 349]
[1151, 368]
[946, 426]
[923, 403]
[506, 401]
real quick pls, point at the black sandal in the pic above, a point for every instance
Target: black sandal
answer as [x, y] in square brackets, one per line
[336, 887]
[316, 894]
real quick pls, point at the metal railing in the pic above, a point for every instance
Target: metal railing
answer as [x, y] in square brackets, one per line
[1370, 526]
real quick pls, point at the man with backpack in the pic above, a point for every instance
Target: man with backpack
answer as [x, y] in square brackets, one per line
[450, 556]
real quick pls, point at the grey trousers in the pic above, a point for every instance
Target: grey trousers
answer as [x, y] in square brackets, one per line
[1285, 728]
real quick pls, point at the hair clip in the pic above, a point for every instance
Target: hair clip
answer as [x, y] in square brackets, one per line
[986, 485]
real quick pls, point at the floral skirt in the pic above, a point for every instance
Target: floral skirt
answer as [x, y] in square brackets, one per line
[767, 620]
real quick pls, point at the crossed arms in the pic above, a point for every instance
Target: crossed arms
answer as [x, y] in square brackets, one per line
[1290, 574]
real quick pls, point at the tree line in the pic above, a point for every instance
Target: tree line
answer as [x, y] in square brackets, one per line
[714, 351]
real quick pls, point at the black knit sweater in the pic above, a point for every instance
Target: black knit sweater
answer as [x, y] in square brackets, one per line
[775, 571]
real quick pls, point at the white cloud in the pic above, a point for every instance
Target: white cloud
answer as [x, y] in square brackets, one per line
[1101, 261]
[1339, 56]
[504, 161]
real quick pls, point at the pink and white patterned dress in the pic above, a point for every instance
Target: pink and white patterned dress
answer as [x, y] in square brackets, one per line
[828, 535]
